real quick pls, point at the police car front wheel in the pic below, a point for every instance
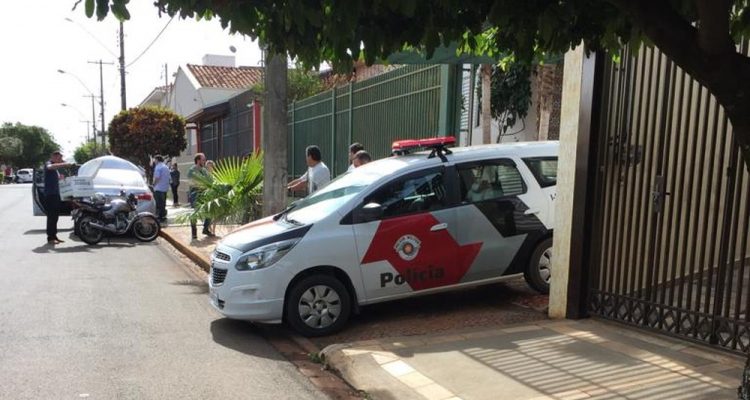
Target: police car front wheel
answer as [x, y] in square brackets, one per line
[539, 273]
[318, 305]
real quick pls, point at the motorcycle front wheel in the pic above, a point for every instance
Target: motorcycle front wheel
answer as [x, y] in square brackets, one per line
[88, 233]
[146, 228]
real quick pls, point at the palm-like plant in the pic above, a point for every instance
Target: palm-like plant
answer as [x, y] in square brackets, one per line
[232, 192]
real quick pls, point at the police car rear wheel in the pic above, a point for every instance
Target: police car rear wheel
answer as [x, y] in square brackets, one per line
[538, 274]
[318, 305]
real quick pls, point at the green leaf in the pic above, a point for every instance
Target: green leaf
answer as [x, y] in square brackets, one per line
[89, 8]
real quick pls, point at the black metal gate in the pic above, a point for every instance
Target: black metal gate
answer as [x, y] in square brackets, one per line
[669, 247]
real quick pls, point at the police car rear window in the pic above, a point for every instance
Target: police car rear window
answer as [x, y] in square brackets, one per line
[489, 181]
[544, 170]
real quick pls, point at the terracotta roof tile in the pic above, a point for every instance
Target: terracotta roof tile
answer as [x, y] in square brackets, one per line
[226, 77]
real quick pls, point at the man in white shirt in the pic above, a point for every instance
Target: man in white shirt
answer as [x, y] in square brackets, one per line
[161, 186]
[317, 174]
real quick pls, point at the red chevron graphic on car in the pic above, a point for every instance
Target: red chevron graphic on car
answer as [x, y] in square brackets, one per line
[423, 258]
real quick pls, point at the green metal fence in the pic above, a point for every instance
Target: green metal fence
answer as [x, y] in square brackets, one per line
[408, 102]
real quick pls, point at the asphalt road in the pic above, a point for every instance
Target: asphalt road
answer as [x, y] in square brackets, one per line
[119, 321]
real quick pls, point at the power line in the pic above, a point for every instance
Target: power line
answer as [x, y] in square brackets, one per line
[150, 44]
[92, 36]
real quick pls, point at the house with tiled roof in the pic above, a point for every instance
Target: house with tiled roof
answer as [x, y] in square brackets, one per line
[158, 97]
[216, 100]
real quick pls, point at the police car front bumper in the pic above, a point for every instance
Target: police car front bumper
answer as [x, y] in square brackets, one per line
[240, 295]
[242, 302]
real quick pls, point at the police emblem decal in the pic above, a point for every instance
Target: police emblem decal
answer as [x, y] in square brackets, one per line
[407, 247]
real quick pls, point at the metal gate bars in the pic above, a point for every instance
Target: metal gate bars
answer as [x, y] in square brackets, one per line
[669, 248]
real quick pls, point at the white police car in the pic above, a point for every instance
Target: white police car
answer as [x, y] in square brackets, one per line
[397, 227]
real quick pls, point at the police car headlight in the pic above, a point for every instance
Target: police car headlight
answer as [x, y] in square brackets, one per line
[265, 256]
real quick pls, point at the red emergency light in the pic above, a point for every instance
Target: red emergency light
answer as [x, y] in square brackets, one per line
[400, 147]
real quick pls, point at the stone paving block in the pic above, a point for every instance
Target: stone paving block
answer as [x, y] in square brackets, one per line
[714, 356]
[517, 329]
[571, 395]
[479, 335]
[384, 357]
[415, 380]
[434, 392]
[398, 368]
[443, 339]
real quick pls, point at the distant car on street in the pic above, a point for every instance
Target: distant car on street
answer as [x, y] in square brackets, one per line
[25, 175]
[109, 175]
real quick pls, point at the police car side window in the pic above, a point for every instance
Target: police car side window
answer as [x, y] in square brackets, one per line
[489, 181]
[544, 170]
[421, 193]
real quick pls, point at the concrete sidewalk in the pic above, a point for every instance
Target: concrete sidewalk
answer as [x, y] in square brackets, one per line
[569, 360]
[565, 360]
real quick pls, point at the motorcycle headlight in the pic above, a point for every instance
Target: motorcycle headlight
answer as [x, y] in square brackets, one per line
[265, 256]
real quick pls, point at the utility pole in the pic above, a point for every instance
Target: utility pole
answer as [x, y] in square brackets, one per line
[93, 115]
[122, 69]
[101, 96]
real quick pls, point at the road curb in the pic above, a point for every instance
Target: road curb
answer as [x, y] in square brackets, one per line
[200, 260]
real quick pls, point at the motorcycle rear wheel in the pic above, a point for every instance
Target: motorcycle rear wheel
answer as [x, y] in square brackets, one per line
[146, 228]
[88, 233]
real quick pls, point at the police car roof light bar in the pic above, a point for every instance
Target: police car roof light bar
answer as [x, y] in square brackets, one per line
[437, 144]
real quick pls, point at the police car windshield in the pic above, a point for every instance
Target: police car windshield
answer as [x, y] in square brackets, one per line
[330, 198]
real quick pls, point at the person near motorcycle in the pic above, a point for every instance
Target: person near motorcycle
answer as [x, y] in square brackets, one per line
[161, 187]
[52, 194]
[198, 168]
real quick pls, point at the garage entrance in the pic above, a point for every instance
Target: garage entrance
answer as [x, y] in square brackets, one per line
[671, 206]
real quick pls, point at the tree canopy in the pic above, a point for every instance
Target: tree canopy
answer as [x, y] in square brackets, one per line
[139, 133]
[87, 151]
[699, 35]
[25, 146]
[301, 84]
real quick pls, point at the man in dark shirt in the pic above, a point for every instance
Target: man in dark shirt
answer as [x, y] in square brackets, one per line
[52, 194]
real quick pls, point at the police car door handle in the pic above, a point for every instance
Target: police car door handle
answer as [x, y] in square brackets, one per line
[439, 227]
[532, 211]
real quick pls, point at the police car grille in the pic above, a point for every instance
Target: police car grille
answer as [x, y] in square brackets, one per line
[218, 275]
[222, 256]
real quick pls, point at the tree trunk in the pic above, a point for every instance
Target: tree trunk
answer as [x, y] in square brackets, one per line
[486, 104]
[274, 135]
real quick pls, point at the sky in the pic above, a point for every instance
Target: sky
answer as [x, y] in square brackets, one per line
[36, 41]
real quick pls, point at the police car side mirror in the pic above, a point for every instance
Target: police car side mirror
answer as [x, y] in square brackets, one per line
[369, 212]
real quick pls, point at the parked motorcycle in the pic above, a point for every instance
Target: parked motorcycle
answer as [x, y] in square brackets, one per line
[96, 217]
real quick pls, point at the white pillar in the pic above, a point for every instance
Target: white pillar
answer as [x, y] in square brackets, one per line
[568, 283]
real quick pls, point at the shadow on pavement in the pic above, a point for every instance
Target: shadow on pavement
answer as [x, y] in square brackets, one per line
[48, 248]
[244, 337]
[44, 231]
[201, 287]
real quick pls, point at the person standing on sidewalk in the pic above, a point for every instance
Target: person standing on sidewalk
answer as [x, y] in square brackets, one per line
[317, 174]
[161, 187]
[361, 158]
[354, 148]
[52, 194]
[193, 192]
[174, 182]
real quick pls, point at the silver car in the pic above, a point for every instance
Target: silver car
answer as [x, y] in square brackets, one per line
[24, 175]
[109, 175]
